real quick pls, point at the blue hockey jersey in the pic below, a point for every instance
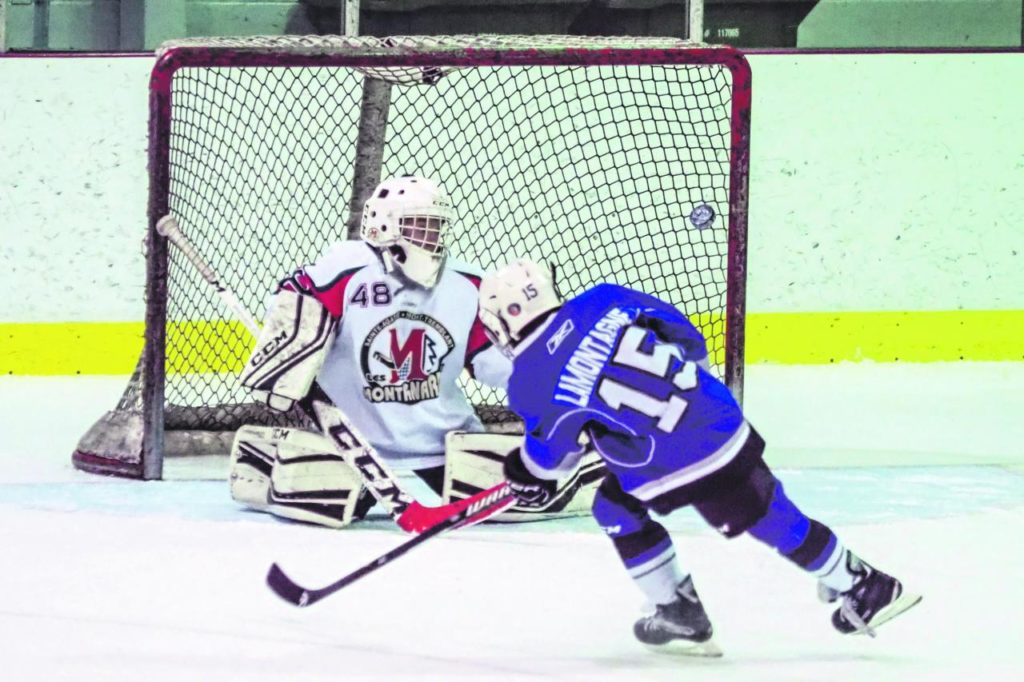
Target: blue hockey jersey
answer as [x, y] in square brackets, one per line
[627, 373]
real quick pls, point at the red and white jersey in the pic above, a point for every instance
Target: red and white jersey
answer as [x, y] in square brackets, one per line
[400, 349]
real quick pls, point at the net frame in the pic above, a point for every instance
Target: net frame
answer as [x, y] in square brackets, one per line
[400, 60]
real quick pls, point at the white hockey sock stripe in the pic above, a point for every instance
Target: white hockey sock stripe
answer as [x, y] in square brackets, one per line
[659, 577]
[833, 572]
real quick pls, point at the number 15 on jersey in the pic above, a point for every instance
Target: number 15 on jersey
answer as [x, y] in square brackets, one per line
[656, 363]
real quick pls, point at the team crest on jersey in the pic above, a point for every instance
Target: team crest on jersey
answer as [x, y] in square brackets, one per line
[402, 358]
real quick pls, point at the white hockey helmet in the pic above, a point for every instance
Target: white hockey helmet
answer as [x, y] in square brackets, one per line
[514, 296]
[406, 220]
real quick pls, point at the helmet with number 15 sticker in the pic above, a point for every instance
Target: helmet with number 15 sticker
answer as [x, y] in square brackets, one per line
[513, 298]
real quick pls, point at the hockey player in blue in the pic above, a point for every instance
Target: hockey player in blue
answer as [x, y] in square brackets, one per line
[627, 374]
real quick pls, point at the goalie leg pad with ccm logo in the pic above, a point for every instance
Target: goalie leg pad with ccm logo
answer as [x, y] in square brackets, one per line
[294, 474]
[253, 452]
[290, 351]
[475, 462]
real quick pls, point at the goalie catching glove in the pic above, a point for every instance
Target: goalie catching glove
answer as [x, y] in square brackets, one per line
[530, 491]
[295, 340]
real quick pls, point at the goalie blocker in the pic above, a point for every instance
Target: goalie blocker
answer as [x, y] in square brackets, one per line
[290, 351]
[299, 475]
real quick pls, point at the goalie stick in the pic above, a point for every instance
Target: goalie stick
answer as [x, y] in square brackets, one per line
[410, 515]
[495, 500]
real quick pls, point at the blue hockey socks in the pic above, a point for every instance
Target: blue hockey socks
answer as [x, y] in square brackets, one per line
[642, 543]
[807, 543]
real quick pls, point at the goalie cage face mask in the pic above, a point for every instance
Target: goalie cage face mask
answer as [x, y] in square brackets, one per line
[406, 220]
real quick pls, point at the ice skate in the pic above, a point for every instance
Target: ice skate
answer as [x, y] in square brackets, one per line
[679, 627]
[874, 599]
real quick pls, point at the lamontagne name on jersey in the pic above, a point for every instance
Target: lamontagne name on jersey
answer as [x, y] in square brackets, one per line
[576, 383]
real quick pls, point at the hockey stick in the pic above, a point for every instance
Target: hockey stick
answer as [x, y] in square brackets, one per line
[407, 512]
[497, 499]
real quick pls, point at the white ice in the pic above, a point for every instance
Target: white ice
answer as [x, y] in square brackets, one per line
[918, 468]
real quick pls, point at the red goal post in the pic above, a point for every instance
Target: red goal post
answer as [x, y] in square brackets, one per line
[615, 159]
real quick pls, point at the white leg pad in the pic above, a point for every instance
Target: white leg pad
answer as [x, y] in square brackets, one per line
[308, 480]
[252, 458]
[475, 462]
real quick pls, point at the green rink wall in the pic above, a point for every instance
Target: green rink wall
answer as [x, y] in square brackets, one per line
[911, 23]
[886, 206]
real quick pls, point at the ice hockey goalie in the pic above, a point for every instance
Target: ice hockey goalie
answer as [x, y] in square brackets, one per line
[384, 326]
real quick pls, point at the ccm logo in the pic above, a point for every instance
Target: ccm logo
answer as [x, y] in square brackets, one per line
[265, 353]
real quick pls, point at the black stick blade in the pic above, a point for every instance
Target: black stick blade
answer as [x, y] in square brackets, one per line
[285, 588]
[492, 501]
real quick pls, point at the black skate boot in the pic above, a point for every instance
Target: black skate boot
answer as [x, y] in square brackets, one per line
[875, 598]
[681, 626]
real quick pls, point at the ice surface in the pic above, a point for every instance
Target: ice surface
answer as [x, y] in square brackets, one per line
[105, 579]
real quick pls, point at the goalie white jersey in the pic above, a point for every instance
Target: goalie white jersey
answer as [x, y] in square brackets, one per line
[399, 350]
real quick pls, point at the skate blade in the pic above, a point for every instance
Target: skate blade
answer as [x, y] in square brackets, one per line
[684, 647]
[903, 603]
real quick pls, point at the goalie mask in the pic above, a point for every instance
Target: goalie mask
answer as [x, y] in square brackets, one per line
[406, 220]
[513, 298]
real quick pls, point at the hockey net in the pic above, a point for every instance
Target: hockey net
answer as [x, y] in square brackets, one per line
[614, 159]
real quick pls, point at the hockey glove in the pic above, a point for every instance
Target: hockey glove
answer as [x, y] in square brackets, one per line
[293, 344]
[530, 491]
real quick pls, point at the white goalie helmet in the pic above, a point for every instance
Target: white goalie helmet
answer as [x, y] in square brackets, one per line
[513, 297]
[406, 220]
